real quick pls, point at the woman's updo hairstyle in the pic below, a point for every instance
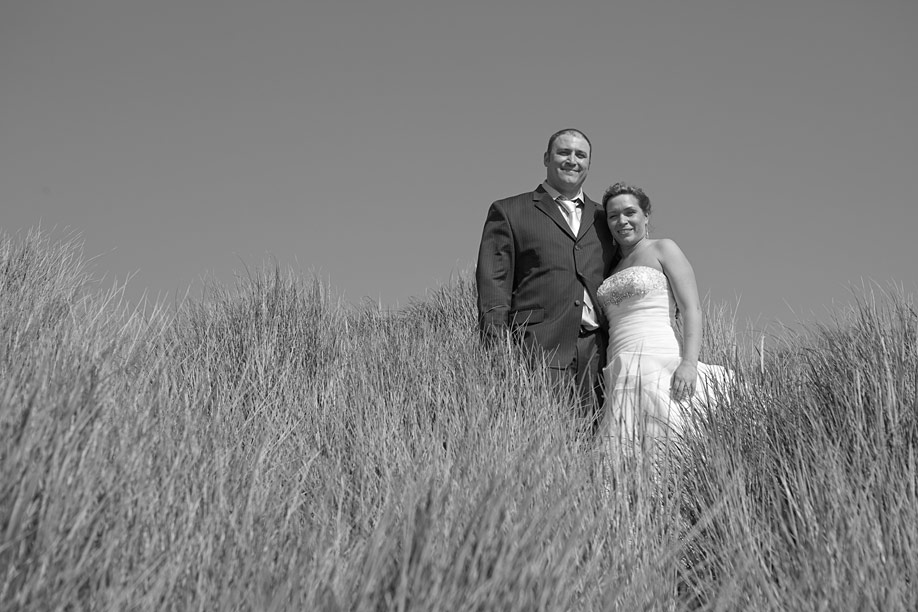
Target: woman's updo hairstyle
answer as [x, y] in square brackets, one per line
[624, 188]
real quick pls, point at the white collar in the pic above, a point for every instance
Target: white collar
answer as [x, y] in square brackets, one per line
[555, 194]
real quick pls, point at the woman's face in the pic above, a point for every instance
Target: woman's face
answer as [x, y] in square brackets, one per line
[626, 220]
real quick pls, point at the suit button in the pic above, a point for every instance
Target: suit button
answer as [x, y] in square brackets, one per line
[576, 302]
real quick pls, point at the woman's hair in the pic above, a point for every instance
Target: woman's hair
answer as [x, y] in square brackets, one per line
[624, 188]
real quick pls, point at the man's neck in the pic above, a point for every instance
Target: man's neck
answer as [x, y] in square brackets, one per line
[565, 193]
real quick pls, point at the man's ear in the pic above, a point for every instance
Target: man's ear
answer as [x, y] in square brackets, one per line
[545, 159]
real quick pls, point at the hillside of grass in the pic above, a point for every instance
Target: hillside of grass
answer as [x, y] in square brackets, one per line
[270, 447]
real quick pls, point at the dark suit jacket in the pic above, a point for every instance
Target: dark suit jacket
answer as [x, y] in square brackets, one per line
[532, 271]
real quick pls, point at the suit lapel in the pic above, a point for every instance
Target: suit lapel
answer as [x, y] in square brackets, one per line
[588, 216]
[548, 206]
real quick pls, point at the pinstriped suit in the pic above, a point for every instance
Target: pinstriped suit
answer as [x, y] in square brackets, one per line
[532, 272]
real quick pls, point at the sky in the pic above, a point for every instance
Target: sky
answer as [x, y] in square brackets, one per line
[361, 143]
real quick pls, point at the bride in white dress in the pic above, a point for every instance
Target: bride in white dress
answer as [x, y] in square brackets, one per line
[652, 377]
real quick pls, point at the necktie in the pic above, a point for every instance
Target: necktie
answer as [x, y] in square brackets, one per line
[572, 212]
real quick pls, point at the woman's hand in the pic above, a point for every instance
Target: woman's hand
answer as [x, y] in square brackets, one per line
[683, 383]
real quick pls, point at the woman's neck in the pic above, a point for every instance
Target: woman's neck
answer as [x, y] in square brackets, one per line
[628, 251]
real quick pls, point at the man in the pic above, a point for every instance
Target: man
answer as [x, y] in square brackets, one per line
[543, 254]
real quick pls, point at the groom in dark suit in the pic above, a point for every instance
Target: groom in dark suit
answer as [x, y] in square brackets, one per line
[543, 254]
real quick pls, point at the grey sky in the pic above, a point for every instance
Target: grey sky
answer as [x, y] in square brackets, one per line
[364, 140]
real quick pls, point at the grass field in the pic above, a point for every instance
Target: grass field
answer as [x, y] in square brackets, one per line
[269, 447]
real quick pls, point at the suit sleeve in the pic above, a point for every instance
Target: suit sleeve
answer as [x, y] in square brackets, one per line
[494, 274]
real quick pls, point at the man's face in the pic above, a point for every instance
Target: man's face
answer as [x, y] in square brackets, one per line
[567, 163]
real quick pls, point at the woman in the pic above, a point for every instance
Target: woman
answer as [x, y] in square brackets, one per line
[652, 376]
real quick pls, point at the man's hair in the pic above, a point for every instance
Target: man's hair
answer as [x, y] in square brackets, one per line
[554, 137]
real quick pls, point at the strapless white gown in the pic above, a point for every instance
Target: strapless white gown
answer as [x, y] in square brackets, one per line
[644, 350]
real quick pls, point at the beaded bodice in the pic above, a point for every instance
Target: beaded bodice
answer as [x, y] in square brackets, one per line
[640, 310]
[636, 281]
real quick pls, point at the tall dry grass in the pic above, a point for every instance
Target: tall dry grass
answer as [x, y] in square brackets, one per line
[270, 447]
